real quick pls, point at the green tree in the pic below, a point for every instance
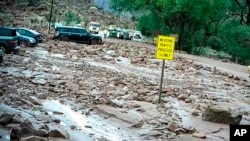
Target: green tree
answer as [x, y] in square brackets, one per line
[70, 17]
[198, 23]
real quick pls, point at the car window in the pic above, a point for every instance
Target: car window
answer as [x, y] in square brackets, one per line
[84, 32]
[20, 31]
[7, 32]
[61, 29]
[27, 33]
[75, 30]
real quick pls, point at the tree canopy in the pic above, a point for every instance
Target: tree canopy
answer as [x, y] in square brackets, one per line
[220, 24]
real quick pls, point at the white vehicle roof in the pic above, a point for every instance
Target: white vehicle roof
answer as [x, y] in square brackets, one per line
[94, 23]
[138, 32]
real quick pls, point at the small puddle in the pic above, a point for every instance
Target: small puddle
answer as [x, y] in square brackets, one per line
[4, 135]
[91, 124]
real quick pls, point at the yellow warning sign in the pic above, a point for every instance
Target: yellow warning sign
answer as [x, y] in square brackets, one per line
[165, 47]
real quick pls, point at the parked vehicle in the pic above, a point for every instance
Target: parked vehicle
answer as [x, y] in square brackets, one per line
[249, 71]
[124, 34]
[76, 34]
[8, 40]
[1, 56]
[94, 27]
[113, 33]
[131, 33]
[24, 41]
[30, 33]
[137, 36]
[112, 27]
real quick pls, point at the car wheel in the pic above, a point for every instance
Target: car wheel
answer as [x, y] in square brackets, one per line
[65, 39]
[93, 42]
[3, 48]
[100, 42]
[23, 43]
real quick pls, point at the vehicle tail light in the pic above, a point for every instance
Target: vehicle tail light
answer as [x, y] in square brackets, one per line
[12, 43]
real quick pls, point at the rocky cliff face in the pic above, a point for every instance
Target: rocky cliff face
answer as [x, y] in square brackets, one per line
[24, 15]
[103, 4]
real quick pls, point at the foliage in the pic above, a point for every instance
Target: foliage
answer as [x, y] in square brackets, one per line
[33, 2]
[216, 43]
[237, 41]
[72, 17]
[222, 25]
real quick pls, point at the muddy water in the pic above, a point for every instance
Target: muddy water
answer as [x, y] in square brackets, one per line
[151, 74]
[4, 135]
[94, 125]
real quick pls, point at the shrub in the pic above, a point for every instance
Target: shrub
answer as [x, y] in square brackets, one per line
[215, 43]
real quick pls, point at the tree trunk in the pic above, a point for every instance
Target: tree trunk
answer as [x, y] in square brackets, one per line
[248, 14]
[204, 42]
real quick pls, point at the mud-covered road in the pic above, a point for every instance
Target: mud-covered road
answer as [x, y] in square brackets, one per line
[239, 70]
[69, 91]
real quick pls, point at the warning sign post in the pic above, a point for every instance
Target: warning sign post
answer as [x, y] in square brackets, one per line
[165, 51]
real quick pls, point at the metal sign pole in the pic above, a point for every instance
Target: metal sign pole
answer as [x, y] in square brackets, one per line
[162, 75]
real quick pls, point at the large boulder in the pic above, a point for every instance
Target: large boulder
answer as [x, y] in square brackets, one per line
[221, 114]
[6, 119]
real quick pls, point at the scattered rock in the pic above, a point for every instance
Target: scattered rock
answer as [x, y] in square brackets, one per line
[11, 125]
[35, 101]
[188, 100]
[93, 9]
[73, 127]
[33, 138]
[60, 133]
[181, 131]
[6, 119]
[38, 81]
[193, 97]
[183, 96]
[154, 61]
[111, 53]
[44, 118]
[42, 133]
[17, 119]
[27, 129]
[15, 133]
[88, 126]
[199, 135]
[221, 114]
[26, 102]
[57, 113]
[42, 96]
[195, 113]
[123, 60]
[171, 127]
[56, 120]
[107, 58]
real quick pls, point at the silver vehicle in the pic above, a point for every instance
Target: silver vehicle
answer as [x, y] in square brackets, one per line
[137, 36]
[94, 27]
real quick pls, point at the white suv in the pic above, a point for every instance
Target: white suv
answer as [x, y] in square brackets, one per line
[137, 36]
